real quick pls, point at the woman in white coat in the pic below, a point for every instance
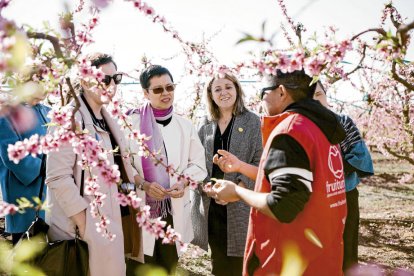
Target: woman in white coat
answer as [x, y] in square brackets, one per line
[177, 142]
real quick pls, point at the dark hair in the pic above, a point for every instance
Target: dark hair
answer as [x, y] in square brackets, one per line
[98, 59]
[152, 71]
[312, 93]
[297, 83]
[213, 109]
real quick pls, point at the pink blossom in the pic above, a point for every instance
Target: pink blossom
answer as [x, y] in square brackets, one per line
[91, 185]
[101, 3]
[7, 209]
[296, 62]
[17, 151]
[102, 225]
[123, 199]
[134, 199]
[313, 66]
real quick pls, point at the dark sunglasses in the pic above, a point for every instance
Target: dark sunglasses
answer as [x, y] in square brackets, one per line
[159, 90]
[116, 77]
[263, 91]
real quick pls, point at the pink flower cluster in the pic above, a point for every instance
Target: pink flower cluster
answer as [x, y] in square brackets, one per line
[80, 6]
[7, 209]
[325, 57]
[156, 227]
[89, 72]
[131, 199]
[389, 50]
[115, 109]
[148, 11]
[84, 36]
[391, 11]
[284, 11]
[61, 116]
[93, 155]
[4, 3]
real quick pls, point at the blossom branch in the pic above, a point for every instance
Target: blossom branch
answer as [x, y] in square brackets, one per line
[400, 79]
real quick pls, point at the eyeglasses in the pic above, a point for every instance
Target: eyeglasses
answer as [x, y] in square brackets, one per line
[116, 77]
[264, 90]
[159, 90]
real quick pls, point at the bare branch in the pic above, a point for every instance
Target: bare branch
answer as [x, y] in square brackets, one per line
[394, 21]
[403, 30]
[399, 156]
[77, 103]
[378, 30]
[62, 100]
[54, 40]
[406, 27]
[359, 65]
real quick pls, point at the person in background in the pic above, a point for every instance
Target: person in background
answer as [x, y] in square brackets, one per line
[65, 175]
[22, 179]
[175, 141]
[233, 128]
[298, 205]
[357, 164]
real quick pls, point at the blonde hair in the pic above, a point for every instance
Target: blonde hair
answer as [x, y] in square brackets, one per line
[212, 107]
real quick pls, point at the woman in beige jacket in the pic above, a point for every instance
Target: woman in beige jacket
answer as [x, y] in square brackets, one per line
[69, 209]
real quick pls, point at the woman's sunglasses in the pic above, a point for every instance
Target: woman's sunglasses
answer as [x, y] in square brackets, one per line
[116, 77]
[160, 90]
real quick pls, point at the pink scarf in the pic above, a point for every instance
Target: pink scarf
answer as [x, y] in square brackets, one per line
[153, 173]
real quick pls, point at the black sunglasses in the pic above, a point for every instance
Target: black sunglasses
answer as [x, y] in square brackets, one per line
[263, 91]
[159, 90]
[116, 77]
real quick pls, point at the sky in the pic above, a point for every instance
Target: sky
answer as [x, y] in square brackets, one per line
[126, 34]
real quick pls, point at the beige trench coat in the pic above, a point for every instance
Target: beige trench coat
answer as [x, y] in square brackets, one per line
[63, 176]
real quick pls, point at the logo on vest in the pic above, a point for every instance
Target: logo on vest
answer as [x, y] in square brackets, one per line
[335, 162]
[336, 167]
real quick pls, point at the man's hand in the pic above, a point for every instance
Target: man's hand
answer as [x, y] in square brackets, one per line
[207, 188]
[176, 190]
[225, 190]
[227, 162]
[155, 190]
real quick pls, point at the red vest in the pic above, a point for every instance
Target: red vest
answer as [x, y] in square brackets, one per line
[316, 232]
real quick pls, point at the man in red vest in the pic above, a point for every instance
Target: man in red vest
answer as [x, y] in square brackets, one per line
[298, 205]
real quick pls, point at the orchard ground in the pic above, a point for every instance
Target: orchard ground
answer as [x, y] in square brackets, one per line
[386, 235]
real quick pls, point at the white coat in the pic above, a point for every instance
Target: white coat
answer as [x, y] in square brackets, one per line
[186, 154]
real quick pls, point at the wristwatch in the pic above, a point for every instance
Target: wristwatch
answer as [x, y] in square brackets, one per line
[141, 185]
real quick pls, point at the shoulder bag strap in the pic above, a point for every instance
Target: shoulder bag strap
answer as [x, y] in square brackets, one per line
[81, 185]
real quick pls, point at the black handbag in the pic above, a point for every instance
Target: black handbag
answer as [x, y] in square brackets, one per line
[62, 257]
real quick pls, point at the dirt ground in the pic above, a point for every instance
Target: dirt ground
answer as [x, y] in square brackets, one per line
[386, 236]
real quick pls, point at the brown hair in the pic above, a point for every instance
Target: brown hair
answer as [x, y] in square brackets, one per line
[213, 109]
